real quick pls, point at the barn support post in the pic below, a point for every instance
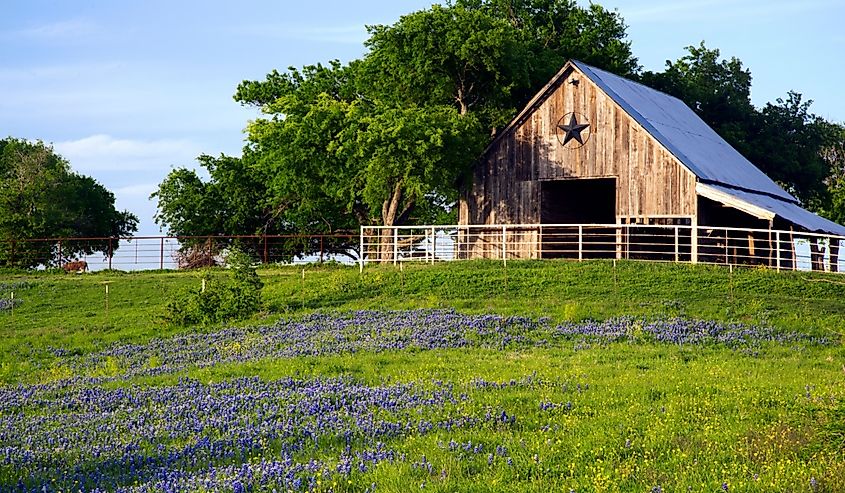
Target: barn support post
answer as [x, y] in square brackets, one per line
[751, 253]
[580, 242]
[816, 259]
[395, 245]
[777, 247]
[834, 254]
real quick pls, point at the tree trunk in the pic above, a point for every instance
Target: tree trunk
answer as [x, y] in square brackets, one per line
[389, 214]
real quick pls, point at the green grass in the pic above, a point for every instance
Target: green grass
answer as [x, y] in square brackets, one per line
[688, 418]
[72, 312]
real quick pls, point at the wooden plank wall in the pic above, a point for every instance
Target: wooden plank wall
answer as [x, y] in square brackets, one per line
[507, 180]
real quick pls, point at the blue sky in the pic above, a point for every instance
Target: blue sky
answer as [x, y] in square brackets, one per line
[127, 90]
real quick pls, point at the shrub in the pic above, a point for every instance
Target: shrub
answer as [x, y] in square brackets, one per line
[234, 298]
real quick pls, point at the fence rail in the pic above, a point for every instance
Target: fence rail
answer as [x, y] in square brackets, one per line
[171, 252]
[777, 249]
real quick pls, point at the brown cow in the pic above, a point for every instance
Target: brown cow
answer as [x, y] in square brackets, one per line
[76, 266]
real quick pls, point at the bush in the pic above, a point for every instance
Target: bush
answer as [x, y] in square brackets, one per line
[235, 298]
[197, 256]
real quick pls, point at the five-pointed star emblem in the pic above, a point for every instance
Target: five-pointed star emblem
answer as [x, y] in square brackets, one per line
[573, 130]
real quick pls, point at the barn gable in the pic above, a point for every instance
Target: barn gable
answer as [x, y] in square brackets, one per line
[590, 136]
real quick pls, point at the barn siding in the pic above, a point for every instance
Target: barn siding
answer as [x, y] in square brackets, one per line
[650, 180]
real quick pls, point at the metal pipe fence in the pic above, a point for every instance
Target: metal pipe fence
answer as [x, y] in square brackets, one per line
[776, 249]
[172, 252]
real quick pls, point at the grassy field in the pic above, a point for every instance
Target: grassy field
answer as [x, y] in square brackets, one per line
[460, 377]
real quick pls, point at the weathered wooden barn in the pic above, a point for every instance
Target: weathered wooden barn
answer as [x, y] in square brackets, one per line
[595, 148]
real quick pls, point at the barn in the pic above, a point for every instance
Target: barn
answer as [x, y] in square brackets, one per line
[593, 148]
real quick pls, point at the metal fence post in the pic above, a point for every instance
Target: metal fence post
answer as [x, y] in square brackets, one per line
[505, 245]
[161, 258]
[361, 252]
[395, 245]
[433, 245]
[694, 242]
[580, 242]
[677, 246]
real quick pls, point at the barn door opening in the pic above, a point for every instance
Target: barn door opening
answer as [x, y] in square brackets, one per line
[578, 201]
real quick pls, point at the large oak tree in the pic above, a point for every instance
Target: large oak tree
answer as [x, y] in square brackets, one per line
[41, 197]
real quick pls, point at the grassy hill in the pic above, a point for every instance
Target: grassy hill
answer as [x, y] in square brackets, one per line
[468, 376]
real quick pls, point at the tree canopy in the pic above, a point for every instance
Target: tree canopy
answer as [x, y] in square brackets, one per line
[784, 139]
[391, 138]
[40, 197]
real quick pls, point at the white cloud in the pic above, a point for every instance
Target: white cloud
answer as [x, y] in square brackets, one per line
[106, 153]
[59, 30]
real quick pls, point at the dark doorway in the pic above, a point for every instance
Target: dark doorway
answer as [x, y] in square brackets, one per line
[579, 201]
[582, 201]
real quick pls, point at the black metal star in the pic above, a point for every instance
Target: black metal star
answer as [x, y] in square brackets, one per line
[573, 130]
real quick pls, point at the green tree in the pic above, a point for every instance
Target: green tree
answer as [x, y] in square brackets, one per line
[834, 156]
[787, 144]
[40, 197]
[490, 56]
[718, 90]
[390, 138]
[785, 140]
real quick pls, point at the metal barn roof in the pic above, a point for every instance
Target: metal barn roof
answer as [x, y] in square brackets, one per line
[787, 210]
[684, 134]
[698, 147]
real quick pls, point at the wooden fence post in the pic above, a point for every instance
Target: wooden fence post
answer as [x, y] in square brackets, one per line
[777, 253]
[266, 250]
